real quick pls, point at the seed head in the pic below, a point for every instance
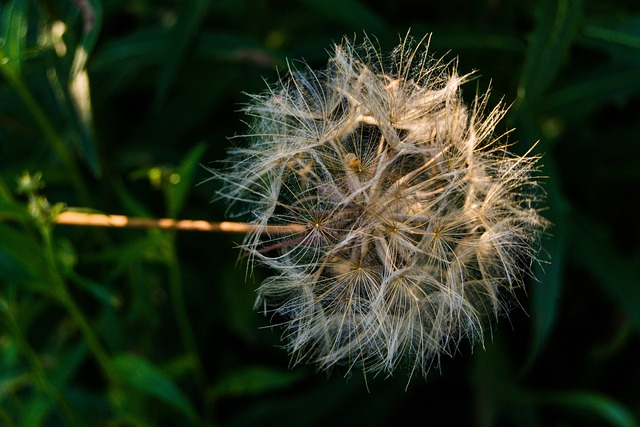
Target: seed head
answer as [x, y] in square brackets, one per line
[410, 222]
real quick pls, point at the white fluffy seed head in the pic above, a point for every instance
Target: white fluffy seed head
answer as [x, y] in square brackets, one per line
[417, 221]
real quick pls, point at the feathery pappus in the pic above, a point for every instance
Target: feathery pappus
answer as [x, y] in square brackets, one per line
[407, 222]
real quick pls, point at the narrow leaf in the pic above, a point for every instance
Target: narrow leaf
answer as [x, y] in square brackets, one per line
[13, 33]
[97, 290]
[606, 408]
[23, 250]
[556, 27]
[350, 12]
[254, 380]
[36, 410]
[79, 89]
[140, 375]
[229, 47]
[9, 209]
[143, 48]
[607, 84]
[177, 192]
[544, 304]
[618, 276]
[545, 297]
[621, 39]
[180, 38]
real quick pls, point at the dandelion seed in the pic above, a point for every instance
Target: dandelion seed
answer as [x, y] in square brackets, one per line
[417, 223]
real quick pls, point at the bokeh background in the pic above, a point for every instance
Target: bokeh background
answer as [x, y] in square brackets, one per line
[115, 106]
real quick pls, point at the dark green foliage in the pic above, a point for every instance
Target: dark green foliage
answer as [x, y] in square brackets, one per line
[106, 327]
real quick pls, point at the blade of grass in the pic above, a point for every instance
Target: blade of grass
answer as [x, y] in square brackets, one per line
[78, 87]
[619, 276]
[13, 31]
[181, 37]
[253, 380]
[11, 53]
[39, 406]
[138, 374]
[544, 304]
[556, 25]
[604, 85]
[594, 403]
[350, 12]
[176, 192]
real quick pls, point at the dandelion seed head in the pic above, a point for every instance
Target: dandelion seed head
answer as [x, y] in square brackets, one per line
[418, 223]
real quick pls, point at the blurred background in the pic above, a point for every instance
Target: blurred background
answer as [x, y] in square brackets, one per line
[114, 106]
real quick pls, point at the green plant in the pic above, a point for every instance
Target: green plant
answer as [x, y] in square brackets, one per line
[116, 104]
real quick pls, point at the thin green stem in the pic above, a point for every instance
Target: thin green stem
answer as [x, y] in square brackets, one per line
[37, 370]
[180, 310]
[4, 418]
[91, 339]
[49, 132]
[79, 319]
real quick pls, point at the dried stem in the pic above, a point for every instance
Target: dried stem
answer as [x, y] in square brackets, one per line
[122, 221]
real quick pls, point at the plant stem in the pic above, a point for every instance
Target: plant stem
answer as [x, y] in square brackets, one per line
[79, 319]
[37, 369]
[49, 133]
[180, 310]
[100, 220]
[4, 418]
[92, 340]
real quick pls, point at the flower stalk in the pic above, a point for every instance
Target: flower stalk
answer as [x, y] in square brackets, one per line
[122, 221]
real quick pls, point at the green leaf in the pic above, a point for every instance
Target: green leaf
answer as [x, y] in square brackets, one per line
[546, 296]
[606, 84]
[13, 33]
[180, 39]
[618, 276]
[350, 12]
[625, 37]
[237, 295]
[24, 251]
[91, 12]
[131, 204]
[620, 39]
[229, 47]
[5, 193]
[97, 290]
[138, 374]
[13, 381]
[447, 38]
[492, 378]
[150, 247]
[185, 173]
[496, 390]
[78, 87]
[67, 260]
[606, 408]
[9, 208]
[143, 48]
[36, 410]
[68, 364]
[253, 381]
[556, 25]
[544, 303]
